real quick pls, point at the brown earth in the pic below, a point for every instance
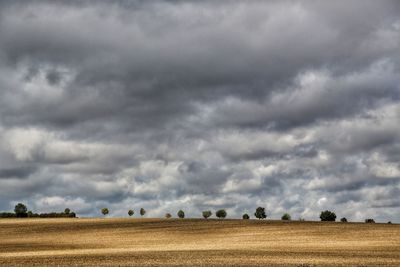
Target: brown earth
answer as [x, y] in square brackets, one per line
[195, 242]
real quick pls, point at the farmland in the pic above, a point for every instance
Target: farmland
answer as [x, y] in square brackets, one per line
[196, 242]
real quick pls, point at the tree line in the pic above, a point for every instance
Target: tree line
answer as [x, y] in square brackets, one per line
[21, 211]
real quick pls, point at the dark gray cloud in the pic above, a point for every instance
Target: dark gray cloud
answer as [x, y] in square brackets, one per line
[293, 105]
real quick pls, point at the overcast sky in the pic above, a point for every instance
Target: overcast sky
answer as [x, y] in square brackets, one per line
[194, 105]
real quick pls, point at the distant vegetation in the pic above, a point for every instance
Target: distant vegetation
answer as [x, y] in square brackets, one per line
[286, 217]
[327, 216]
[206, 214]
[181, 214]
[104, 211]
[260, 213]
[21, 211]
[221, 214]
[142, 211]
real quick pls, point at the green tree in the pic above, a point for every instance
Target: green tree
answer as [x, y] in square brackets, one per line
[67, 211]
[327, 216]
[260, 213]
[221, 213]
[207, 213]
[21, 211]
[130, 212]
[369, 220]
[181, 214]
[246, 216]
[104, 211]
[142, 211]
[286, 217]
[343, 219]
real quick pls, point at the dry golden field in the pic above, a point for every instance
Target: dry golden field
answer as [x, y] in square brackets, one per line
[195, 242]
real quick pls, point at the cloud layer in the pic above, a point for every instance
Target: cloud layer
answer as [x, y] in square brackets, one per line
[168, 105]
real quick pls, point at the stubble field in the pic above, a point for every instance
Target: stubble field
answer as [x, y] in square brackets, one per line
[195, 242]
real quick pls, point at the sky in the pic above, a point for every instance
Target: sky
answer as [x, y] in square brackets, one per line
[201, 105]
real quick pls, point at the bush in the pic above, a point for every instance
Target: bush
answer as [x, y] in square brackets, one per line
[207, 213]
[369, 220]
[343, 219]
[181, 214]
[130, 213]
[286, 217]
[246, 216]
[168, 215]
[142, 211]
[105, 211]
[7, 215]
[389, 222]
[260, 213]
[327, 216]
[221, 214]
[21, 211]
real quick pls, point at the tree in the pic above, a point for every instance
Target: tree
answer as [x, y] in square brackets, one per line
[168, 215]
[207, 213]
[369, 220]
[343, 219]
[181, 214]
[286, 217]
[246, 216]
[220, 214]
[21, 211]
[260, 213]
[130, 213]
[105, 211]
[327, 216]
[142, 211]
[67, 211]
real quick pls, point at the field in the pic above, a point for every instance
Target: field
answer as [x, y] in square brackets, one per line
[195, 242]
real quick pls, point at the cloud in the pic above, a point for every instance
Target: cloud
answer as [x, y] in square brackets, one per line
[193, 105]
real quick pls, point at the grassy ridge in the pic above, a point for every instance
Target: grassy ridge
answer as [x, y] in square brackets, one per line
[196, 242]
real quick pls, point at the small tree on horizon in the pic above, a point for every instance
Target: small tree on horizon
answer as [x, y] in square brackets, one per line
[142, 212]
[181, 214]
[206, 214]
[327, 216]
[67, 211]
[21, 210]
[130, 213]
[168, 215]
[343, 219]
[104, 211]
[260, 213]
[246, 216]
[286, 217]
[221, 214]
[369, 220]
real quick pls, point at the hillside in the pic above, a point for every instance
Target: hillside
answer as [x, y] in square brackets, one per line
[195, 242]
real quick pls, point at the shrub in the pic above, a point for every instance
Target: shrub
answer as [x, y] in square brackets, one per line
[130, 213]
[260, 213]
[7, 215]
[207, 213]
[21, 210]
[286, 217]
[181, 214]
[168, 215]
[142, 211]
[389, 222]
[105, 211]
[369, 220]
[246, 216]
[327, 216]
[221, 214]
[343, 219]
